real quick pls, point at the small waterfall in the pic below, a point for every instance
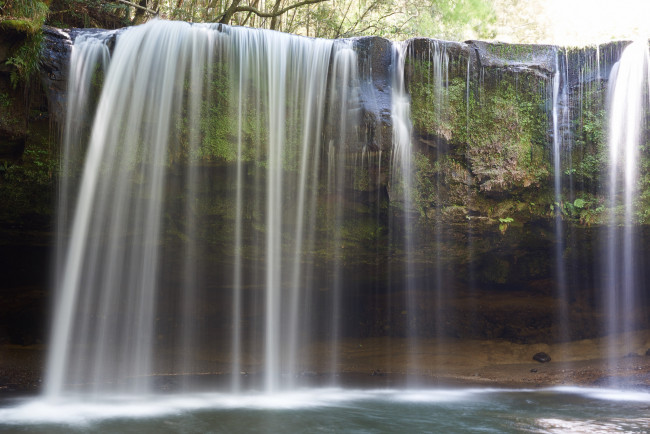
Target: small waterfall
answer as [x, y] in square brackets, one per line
[343, 103]
[89, 56]
[628, 102]
[439, 60]
[402, 183]
[560, 113]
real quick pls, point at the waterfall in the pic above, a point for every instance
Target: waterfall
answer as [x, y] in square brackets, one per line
[628, 101]
[231, 206]
[195, 231]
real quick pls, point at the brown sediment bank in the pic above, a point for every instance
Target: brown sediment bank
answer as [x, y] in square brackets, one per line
[383, 362]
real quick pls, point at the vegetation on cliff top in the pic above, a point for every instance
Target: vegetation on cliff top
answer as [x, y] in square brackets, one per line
[23, 19]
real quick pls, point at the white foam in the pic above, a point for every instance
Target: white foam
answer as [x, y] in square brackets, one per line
[79, 410]
[608, 394]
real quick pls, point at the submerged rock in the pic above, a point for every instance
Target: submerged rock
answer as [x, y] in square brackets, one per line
[542, 357]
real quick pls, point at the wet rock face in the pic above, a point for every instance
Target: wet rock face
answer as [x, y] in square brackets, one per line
[519, 58]
[54, 71]
[482, 178]
[589, 64]
[375, 62]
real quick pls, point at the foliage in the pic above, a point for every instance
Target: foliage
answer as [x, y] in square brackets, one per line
[438, 111]
[395, 19]
[5, 99]
[587, 210]
[89, 13]
[521, 21]
[424, 191]
[25, 59]
[507, 130]
[32, 12]
[503, 224]
[24, 17]
[458, 20]
[643, 201]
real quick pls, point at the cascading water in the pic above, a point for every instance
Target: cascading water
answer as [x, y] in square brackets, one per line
[233, 215]
[560, 113]
[134, 281]
[402, 176]
[120, 194]
[628, 102]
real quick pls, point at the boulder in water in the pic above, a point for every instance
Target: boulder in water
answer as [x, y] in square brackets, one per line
[542, 357]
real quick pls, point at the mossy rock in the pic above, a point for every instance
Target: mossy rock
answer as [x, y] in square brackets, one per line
[20, 27]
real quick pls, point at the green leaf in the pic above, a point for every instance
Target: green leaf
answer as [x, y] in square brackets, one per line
[579, 203]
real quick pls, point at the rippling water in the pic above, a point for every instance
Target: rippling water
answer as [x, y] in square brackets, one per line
[340, 410]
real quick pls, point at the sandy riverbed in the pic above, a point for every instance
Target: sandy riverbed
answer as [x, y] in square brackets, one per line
[383, 362]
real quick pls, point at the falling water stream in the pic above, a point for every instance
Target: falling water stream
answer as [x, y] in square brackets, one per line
[159, 102]
[628, 102]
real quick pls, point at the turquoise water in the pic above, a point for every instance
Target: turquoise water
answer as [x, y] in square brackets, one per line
[340, 410]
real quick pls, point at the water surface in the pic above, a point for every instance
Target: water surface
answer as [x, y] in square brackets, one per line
[340, 410]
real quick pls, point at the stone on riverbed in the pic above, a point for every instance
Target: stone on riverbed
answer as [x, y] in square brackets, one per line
[542, 357]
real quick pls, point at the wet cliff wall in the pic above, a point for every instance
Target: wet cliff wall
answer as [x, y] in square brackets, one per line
[483, 203]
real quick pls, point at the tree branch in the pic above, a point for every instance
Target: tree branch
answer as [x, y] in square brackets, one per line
[279, 12]
[137, 6]
[228, 13]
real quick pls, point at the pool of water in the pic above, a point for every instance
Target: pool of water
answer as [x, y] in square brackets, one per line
[339, 410]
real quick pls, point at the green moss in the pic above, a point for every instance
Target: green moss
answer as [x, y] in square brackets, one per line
[361, 179]
[25, 18]
[484, 141]
[643, 200]
[361, 230]
[506, 136]
[28, 27]
[589, 148]
[219, 123]
[438, 108]
[425, 195]
[516, 53]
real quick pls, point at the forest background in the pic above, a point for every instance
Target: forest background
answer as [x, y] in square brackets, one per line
[562, 22]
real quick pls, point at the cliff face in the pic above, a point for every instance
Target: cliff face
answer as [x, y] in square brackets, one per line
[485, 117]
[29, 149]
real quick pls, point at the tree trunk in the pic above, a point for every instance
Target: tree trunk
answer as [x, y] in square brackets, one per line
[230, 11]
[139, 16]
[275, 19]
